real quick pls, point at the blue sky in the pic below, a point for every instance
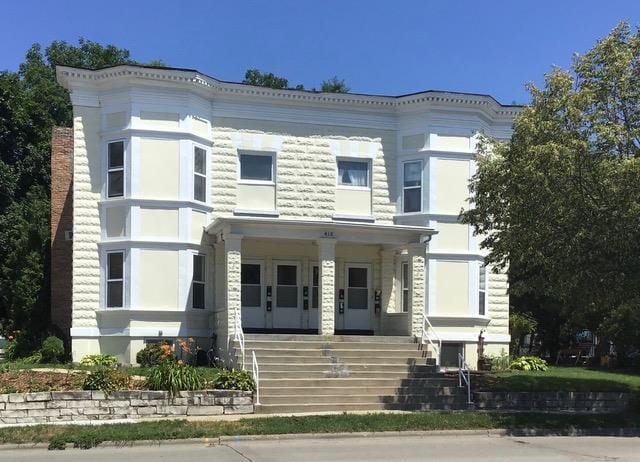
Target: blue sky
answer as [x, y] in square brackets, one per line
[382, 47]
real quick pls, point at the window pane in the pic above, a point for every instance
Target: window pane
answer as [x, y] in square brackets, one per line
[199, 186]
[358, 299]
[314, 297]
[116, 154]
[481, 299]
[316, 275]
[413, 174]
[250, 274]
[199, 160]
[115, 262]
[351, 173]
[405, 275]
[255, 167]
[412, 199]
[198, 268]
[114, 294]
[115, 183]
[198, 295]
[405, 300]
[287, 275]
[251, 296]
[357, 277]
[287, 297]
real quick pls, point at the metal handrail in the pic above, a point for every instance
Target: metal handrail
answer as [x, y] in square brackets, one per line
[426, 325]
[463, 368]
[238, 336]
[256, 375]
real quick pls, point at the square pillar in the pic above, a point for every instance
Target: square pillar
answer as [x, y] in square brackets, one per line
[418, 288]
[327, 288]
[233, 265]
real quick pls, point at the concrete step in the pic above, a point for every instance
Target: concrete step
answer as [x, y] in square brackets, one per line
[426, 392]
[320, 345]
[280, 359]
[350, 407]
[379, 382]
[330, 338]
[319, 374]
[342, 367]
[364, 399]
[351, 353]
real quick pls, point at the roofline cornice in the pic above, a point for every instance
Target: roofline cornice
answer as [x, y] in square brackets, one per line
[88, 79]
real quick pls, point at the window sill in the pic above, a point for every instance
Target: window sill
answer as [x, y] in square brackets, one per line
[356, 218]
[256, 213]
[353, 188]
[257, 182]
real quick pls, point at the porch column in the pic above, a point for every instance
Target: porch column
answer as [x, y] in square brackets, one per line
[327, 289]
[388, 277]
[233, 262]
[418, 297]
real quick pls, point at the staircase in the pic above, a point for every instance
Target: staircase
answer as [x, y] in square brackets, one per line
[309, 373]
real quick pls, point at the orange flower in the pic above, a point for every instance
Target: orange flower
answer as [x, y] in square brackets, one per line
[180, 362]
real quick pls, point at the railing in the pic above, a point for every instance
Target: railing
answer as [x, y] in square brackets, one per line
[426, 327]
[464, 375]
[256, 375]
[238, 336]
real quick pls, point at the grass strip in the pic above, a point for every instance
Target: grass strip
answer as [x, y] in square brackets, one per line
[90, 436]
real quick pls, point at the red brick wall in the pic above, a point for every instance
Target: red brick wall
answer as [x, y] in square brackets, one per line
[61, 221]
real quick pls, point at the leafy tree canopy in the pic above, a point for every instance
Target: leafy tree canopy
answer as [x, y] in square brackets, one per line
[270, 80]
[334, 85]
[560, 203]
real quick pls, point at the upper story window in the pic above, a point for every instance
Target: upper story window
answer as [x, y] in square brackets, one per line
[198, 282]
[115, 279]
[482, 291]
[199, 174]
[256, 168]
[354, 173]
[115, 169]
[412, 187]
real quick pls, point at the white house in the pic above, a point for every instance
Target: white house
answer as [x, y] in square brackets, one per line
[202, 206]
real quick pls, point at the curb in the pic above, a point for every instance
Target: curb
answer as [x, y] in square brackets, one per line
[489, 432]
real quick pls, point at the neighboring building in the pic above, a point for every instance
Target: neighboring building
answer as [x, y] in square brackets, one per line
[200, 205]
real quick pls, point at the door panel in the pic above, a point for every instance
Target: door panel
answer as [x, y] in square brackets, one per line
[287, 311]
[315, 296]
[358, 297]
[252, 300]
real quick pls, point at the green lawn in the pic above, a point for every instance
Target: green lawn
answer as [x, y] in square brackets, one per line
[89, 436]
[559, 379]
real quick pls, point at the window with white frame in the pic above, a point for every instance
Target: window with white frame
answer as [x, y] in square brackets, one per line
[412, 187]
[482, 290]
[404, 282]
[115, 169]
[354, 173]
[115, 279]
[256, 168]
[198, 282]
[199, 174]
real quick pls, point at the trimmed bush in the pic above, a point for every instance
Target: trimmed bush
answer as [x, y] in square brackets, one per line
[106, 379]
[529, 363]
[106, 361]
[234, 379]
[154, 354]
[173, 377]
[52, 350]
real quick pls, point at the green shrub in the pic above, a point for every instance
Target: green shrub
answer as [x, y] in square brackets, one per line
[529, 363]
[52, 350]
[153, 354]
[57, 443]
[500, 363]
[234, 379]
[173, 377]
[106, 361]
[106, 379]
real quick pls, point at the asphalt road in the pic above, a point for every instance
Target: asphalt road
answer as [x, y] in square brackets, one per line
[410, 448]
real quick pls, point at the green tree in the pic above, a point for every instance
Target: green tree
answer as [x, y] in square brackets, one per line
[265, 79]
[334, 85]
[561, 201]
[31, 104]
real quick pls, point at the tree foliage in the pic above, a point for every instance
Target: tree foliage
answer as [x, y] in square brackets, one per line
[560, 203]
[31, 104]
[270, 80]
[334, 85]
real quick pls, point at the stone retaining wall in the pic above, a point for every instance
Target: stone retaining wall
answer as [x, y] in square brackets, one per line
[568, 401]
[72, 406]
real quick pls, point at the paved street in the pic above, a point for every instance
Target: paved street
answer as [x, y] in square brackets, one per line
[413, 448]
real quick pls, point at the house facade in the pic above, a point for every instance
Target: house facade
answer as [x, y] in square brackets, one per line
[204, 207]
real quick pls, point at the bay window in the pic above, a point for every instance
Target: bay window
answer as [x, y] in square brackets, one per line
[115, 279]
[115, 169]
[412, 187]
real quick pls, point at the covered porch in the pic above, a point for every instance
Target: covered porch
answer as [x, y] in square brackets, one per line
[316, 277]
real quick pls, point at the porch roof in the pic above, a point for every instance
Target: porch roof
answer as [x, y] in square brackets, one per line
[278, 228]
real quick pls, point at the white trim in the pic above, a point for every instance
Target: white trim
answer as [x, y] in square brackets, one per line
[259, 213]
[355, 159]
[157, 203]
[420, 187]
[167, 331]
[346, 217]
[191, 281]
[157, 134]
[455, 256]
[122, 280]
[472, 337]
[254, 153]
[115, 244]
[122, 169]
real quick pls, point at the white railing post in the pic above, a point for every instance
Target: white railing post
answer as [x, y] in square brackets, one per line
[256, 375]
[426, 338]
[463, 368]
[238, 336]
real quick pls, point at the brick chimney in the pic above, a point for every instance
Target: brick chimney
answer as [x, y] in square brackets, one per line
[61, 227]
